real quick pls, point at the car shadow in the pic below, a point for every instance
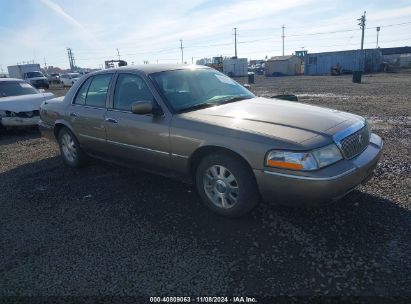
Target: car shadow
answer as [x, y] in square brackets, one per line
[358, 245]
[14, 135]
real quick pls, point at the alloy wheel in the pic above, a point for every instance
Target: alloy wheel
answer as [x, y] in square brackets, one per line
[221, 186]
[68, 146]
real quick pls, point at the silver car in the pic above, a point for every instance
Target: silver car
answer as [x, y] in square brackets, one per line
[195, 123]
[20, 103]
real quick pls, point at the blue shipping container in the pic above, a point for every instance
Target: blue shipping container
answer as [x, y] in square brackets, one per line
[355, 60]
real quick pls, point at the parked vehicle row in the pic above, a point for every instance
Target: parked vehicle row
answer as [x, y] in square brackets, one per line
[195, 123]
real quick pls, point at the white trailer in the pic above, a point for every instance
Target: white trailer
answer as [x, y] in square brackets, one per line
[18, 71]
[29, 72]
[235, 67]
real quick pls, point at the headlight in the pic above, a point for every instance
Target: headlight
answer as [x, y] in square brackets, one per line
[29, 114]
[304, 161]
[10, 114]
[291, 160]
[327, 155]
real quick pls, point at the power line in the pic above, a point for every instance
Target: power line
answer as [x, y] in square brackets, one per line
[299, 37]
[254, 40]
[347, 30]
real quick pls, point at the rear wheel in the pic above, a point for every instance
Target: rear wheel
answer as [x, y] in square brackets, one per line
[226, 185]
[70, 150]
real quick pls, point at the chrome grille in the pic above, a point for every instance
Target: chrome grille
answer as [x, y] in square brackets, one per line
[355, 143]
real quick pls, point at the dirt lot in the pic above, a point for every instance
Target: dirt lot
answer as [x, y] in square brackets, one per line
[106, 230]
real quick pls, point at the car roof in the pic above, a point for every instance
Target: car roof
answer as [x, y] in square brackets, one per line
[155, 68]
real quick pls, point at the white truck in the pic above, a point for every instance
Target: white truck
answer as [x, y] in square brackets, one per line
[30, 73]
[235, 67]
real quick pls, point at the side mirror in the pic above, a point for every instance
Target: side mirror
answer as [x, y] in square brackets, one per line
[142, 107]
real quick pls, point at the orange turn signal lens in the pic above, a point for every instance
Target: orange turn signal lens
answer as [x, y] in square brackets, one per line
[285, 165]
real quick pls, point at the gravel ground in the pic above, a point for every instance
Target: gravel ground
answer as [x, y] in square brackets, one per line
[106, 230]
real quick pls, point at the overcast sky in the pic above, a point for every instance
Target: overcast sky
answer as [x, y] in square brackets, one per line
[151, 30]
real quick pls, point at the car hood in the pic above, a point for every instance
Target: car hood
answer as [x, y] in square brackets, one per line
[24, 103]
[276, 118]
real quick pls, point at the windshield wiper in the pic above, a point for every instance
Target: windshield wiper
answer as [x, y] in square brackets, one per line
[199, 106]
[232, 99]
[213, 103]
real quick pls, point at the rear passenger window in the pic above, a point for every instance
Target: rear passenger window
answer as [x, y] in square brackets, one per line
[82, 93]
[130, 88]
[97, 91]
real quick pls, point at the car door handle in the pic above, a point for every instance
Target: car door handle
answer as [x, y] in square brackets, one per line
[72, 114]
[112, 120]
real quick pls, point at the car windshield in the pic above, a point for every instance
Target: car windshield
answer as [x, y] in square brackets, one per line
[34, 74]
[16, 88]
[192, 89]
[74, 75]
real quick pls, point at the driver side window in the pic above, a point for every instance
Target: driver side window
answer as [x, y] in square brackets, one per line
[130, 88]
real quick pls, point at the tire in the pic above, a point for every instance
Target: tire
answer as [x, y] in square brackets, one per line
[226, 185]
[72, 154]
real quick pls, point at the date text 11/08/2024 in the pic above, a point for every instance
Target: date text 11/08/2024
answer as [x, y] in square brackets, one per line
[203, 300]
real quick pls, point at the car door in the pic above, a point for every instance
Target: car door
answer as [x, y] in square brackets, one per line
[139, 138]
[87, 112]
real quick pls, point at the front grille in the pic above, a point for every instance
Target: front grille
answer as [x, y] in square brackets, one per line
[355, 143]
[28, 114]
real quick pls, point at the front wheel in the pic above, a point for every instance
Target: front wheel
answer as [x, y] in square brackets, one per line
[227, 185]
[70, 150]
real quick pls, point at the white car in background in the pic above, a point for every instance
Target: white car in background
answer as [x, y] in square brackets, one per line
[69, 79]
[20, 103]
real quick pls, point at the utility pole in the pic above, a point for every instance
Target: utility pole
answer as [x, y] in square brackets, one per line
[362, 25]
[283, 27]
[73, 60]
[235, 42]
[118, 54]
[182, 52]
[45, 64]
[378, 32]
[70, 57]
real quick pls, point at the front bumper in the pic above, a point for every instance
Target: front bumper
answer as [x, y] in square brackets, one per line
[19, 121]
[46, 130]
[322, 186]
